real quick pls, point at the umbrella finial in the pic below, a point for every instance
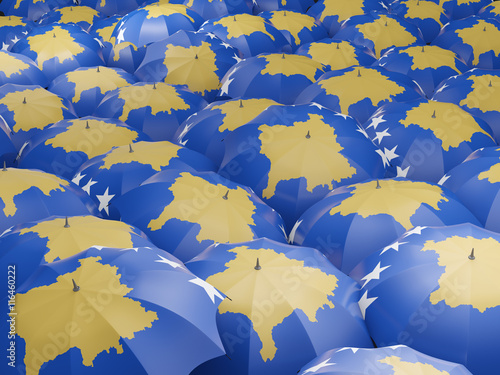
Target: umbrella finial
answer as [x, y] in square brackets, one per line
[284, 13]
[308, 135]
[241, 103]
[98, 71]
[196, 56]
[434, 114]
[24, 100]
[359, 72]
[4, 166]
[338, 46]
[471, 256]
[226, 195]
[234, 18]
[418, 2]
[53, 35]
[386, 23]
[154, 85]
[66, 223]
[423, 48]
[489, 84]
[257, 265]
[87, 126]
[484, 28]
[130, 149]
[76, 288]
[378, 185]
[283, 56]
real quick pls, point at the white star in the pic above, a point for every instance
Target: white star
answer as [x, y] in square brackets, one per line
[402, 172]
[380, 135]
[291, 237]
[383, 64]
[211, 35]
[441, 88]
[443, 179]
[374, 275]
[354, 350]
[211, 291]
[394, 246]
[120, 38]
[25, 32]
[169, 262]
[87, 187]
[390, 154]
[99, 247]
[136, 249]
[15, 40]
[25, 144]
[365, 302]
[362, 131]
[104, 200]
[6, 231]
[282, 228]
[318, 367]
[77, 178]
[416, 230]
[236, 57]
[342, 115]
[384, 158]
[226, 45]
[319, 106]
[375, 122]
[99, 41]
[5, 46]
[225, 86]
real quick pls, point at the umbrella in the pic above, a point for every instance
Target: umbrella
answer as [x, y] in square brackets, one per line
[475, 40]
[428, 16]
[21, 70]
[32, 9]
[283, 76]
[218, 8]
[332, 14]
[28, 195]
[135, 311]
[444, 282]
[249, 34]
[292, 156]
[205, 130]
[86, 87]
[370, 215]
[387, 360]
[183, 212]
[427, 138]
[30, 245]
[478, 92]
[270, 5]
[125, 167]
[337, 54]
[339, 90]
[157, 109]
[195, 59]
[12, 29]
[59, 48]
[298, 28]
[457, 9]
[380, 32]
[82, 16]
[154, 22]
[475, 182]
[428, 66]
[125, 56]
[112, 7]
[63, 147]
[285, 305]
[28, 109]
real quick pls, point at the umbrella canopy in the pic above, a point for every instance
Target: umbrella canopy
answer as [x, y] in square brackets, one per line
[206, 130]
[251, 35]
[59, 48]
[21, 70]
[63, 147]
[86, 87]
[332, 14]
[292, 156]
[82, 16]
[475, 182]
[279, 77]
[28, 109]
[195, 59]
[387, 360]
[218, 8]
[337, 54]
[125, 167]
[31, 9]
[284, 298]
[453, 304]
[370, 215]
[184, 213]
[270, 5]
[380, 32]
[426, 138]
[28, 195]
[154, 22]
[491, 10]
[30, 245]
[428, 66]
[475, 40]
[132, 311]
[457, 9]
[339, 90]
[298, 28]
[112, 7]
[125, 56]
[12, 29]
[478, 92]
[157, 109]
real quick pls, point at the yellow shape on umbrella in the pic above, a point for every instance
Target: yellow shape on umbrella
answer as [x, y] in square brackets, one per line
[77, 14]
[290, 65]
[18, 3]
[106, 32]
[164, 10]
[418, 9]
[492, 174]
[483, 36]
[106, 79]
[485, 93]
[12, 21]
[286, 283]
[11, 65]
[338, 56]
[430, 57]
[343, 9]
[292, 22]
[92, 319]
[243, 24]
[410, 368]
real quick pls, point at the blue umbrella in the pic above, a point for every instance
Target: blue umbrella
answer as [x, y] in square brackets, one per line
[249, 34]
[370, 215]
[112, 7]
[154, 22]
[426, 138]
[337, 54]
[12, 29]
[477, 92]
[63, 147]
[21, 70]
[82, 16]
[457, 9]
[125, 167]
[183, 213]
[436, 290]
[218, 8]
[475, 182]
[29, 195]
[31, 9]
[270, 5]
[428, 66]
[157, 109]
[339, 90]
[279, 77]
[196, 59]
[285, 305]
[475, 40]
[298, 28]
[86, 87]
[135, 311]
[103, 28]
[387, 360]
[205, 130]
[125, 56]
[292, 156]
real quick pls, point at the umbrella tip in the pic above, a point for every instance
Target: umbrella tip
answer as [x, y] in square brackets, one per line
[378, 184]
[283, 56]
[418, 2]
[234, 18]
[359, 72]
[308, 135]
[53, 35]
[154, 85]
[284, 13]
[471, 256]
[226, 195]
[66, 223]
[257, 265]
[489, 84]
[98, 70]
[484, 28]
[434, 114]
[87, 126]
[76, 288]
[4, 166]
[196, 56]
[130, 149]
[241, 102]
[338, 46]
[423, 48]
[24, 100]
[385, 23]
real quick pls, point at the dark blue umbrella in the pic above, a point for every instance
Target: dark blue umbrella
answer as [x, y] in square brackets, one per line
[21, 70]
[12, 29]
[457, 9]
[82, 16]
